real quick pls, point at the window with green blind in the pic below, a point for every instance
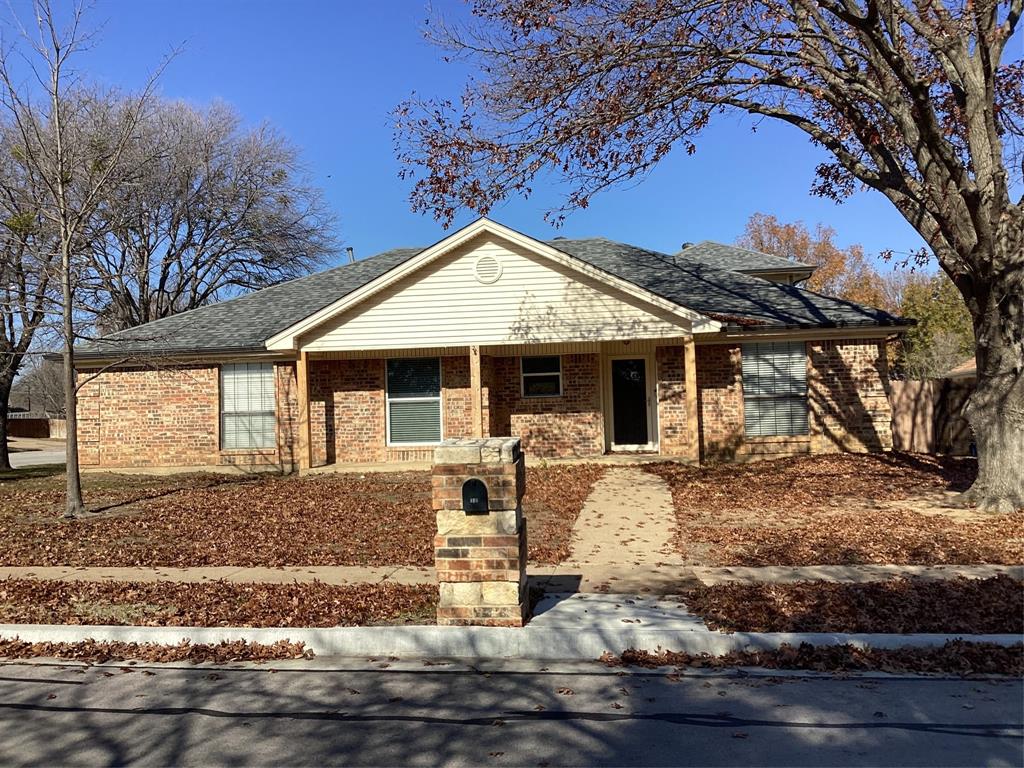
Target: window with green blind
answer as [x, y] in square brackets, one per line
[414, 401]
[774, 389]
[247, 406]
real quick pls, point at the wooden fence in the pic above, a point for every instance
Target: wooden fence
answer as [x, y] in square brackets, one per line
[19, 425]
[927, 416]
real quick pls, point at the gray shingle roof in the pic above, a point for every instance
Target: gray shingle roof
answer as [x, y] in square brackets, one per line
[741, 259]
[245, 323]
[732, 297]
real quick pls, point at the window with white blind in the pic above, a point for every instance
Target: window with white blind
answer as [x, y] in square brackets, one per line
[247, 406]
[774, 389]
[414, 401]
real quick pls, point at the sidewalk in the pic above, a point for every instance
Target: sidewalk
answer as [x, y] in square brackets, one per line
[34, 452]
[566, 577]
[612, 623]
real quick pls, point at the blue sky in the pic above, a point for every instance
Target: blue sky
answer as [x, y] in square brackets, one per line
[327, 74]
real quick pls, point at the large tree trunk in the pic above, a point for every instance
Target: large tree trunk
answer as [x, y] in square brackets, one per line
[996, 408]
[996, 414]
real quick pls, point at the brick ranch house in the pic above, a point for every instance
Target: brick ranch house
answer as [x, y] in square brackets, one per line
[580, 347]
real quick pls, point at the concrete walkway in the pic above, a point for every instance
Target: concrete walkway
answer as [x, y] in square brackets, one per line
[627, 520]
[580, 577]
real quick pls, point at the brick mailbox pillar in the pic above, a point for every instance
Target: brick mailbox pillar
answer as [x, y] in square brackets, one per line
[480, 547]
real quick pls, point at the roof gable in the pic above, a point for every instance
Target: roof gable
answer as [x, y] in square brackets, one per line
[492, 291]
[289, 338]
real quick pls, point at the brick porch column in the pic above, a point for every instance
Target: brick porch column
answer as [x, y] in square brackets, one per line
[480, 555]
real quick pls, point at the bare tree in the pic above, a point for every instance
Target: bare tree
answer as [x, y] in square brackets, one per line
[73, 140]
[216, 209]
[27, 256]
[911, 99]
[41, 386]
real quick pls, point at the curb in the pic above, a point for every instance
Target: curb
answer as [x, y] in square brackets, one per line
[534, 643]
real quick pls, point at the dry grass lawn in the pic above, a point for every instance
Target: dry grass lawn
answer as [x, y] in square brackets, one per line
[214, 604]
[840, 509]
[215, 520]
[968, 606]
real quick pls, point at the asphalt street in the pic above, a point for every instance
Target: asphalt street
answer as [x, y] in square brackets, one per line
[426, 713]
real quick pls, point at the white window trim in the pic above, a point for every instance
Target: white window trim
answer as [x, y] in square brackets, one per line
[222, 412]
[523, 376]
[439, 399]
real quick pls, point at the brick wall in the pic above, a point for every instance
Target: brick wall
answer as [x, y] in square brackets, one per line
[570, 425]
[149, 418]
[847, 385]
[346, 411]
[457, 396]
[674, 434]
[719, 400]
[847, 399]
[287, 397]
[348, 417]
[487, 396]
[169, 417]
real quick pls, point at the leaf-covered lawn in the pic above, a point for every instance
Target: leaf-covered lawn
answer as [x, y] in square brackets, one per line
[955, 657]
[212, 604]
[95, 651]
[554, 499]
[986, 606]
[837, 509]
[215, 520]
[210, 520]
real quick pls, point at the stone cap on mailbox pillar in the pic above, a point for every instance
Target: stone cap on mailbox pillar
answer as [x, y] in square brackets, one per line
[482, 450]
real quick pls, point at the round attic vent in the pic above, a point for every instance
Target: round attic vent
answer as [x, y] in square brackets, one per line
[487, 270]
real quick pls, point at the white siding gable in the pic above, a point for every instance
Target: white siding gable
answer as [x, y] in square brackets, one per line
[533, 301]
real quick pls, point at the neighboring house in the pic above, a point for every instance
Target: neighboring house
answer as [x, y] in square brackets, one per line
[968, 369]
[580, 347]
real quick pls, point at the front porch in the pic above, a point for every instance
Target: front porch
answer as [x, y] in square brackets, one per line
[625, 400]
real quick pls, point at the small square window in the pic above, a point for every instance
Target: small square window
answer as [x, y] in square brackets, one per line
[542, 376]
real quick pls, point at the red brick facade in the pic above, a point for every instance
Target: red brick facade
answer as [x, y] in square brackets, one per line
[848, 404]
[570, 425]
[673, 431]
[848, 391]
[719, 400]
[346, 411]
[170, 417]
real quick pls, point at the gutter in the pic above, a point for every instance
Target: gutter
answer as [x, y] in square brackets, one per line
[904, 325]
[166, 354]
[795, 330]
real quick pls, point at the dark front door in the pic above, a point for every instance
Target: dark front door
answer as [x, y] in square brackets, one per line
[629, 402]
